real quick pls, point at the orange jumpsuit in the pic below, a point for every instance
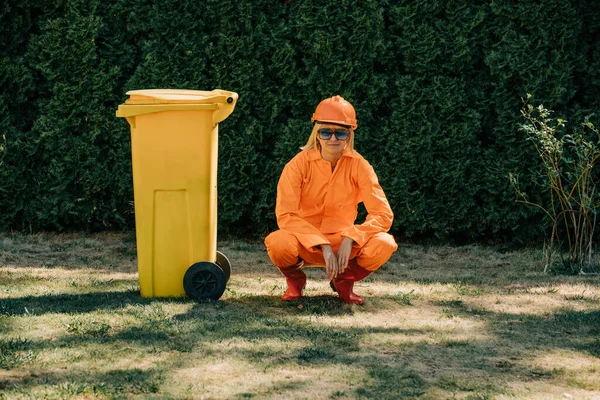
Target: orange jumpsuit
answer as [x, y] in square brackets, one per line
[316, 206]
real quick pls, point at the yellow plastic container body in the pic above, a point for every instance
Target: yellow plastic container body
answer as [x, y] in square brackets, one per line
[174, 145]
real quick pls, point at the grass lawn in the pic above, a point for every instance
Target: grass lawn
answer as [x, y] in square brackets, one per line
[438, 323]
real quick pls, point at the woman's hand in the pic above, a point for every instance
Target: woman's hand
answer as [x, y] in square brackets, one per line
[343, 253]
[331, 262]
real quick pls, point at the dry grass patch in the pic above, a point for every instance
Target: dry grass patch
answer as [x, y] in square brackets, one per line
[70, 250]
[440, 322]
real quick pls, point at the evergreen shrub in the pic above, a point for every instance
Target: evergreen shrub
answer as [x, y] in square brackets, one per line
[436, 85]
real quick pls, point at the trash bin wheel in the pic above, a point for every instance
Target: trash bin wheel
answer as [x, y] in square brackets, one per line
[225, 265]
[204, 280]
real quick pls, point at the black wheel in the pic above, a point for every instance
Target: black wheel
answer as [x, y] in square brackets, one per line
[225, 265]
[204, 280]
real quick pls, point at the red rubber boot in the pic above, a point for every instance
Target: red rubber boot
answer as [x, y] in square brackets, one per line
[343, 284]
[296, 281]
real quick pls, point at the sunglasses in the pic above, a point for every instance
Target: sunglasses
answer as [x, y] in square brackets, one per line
[340, 134]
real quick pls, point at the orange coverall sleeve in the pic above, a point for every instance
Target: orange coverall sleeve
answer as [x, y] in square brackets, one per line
[380, 215]
[288, 211]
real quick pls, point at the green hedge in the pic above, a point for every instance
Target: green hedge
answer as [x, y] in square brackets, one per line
[437, 87]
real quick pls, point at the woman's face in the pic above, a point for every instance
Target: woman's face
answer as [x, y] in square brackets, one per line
[333, 138]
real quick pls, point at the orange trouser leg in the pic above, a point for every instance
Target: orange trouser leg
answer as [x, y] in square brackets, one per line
[284, 250]
[376, 251]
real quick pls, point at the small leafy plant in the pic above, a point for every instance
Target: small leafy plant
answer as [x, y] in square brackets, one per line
[567, 172]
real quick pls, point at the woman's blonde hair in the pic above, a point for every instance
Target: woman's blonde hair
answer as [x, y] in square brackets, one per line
[313, 140]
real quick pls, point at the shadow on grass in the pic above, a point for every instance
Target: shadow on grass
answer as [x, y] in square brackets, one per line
[208, 329]
[72, 303]
[564, 329]
[81, 383]
[406, 371]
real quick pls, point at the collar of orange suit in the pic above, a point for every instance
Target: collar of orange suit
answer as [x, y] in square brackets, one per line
[315, 154]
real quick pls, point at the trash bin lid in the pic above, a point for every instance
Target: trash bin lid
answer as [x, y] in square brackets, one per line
[179, 96]
[148, 101]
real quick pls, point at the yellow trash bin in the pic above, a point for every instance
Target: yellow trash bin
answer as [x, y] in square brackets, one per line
[174, 138]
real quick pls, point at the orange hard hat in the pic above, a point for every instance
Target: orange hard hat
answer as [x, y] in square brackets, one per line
[336, 110]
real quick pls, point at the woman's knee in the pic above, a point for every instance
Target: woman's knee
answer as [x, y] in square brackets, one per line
[282, 247]
[387, 244]
[377, 251]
